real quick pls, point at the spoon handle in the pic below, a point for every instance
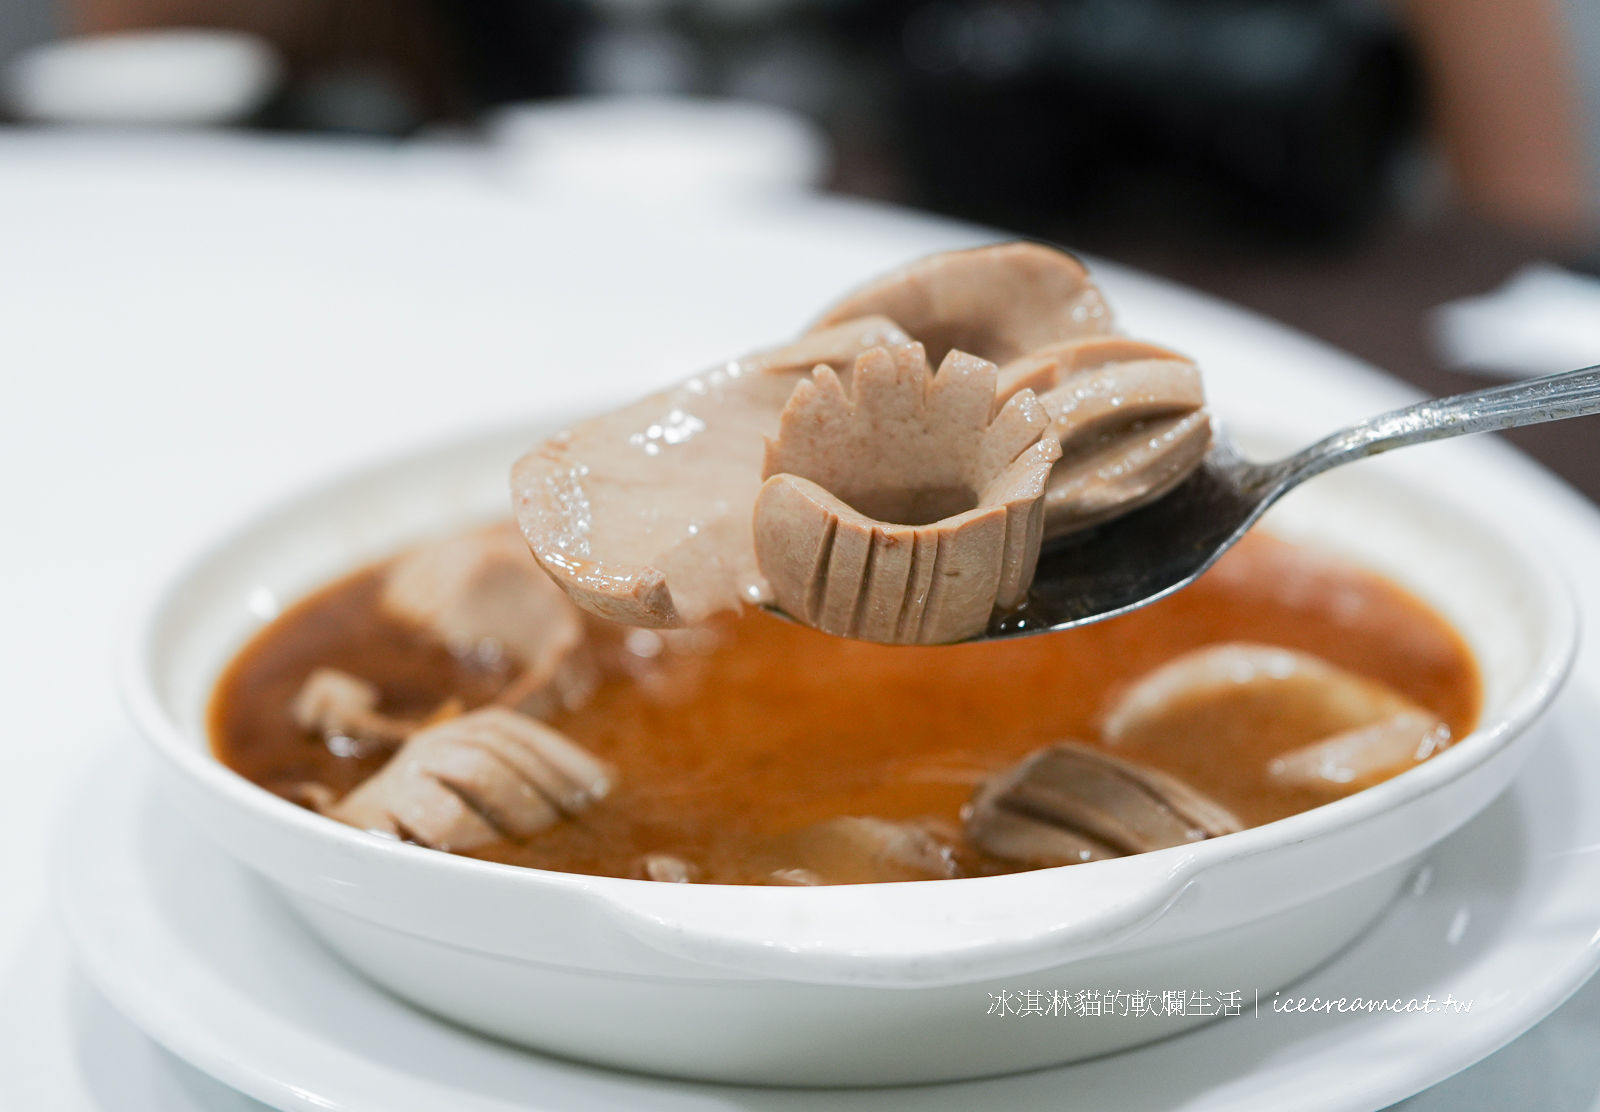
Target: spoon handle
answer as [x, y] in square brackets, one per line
[1551, 398]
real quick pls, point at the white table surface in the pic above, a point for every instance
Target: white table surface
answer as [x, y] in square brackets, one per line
[192, 327]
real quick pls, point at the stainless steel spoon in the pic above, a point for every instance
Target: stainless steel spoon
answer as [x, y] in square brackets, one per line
[1136, 559]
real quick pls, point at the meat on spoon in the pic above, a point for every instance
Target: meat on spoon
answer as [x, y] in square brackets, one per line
[645, 515]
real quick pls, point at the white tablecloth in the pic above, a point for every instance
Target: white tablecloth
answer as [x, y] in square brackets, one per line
[191, 327]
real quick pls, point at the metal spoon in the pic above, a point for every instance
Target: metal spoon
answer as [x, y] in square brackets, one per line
[1136, 559]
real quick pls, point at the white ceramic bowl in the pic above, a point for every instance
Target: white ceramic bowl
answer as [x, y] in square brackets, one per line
[866, 984]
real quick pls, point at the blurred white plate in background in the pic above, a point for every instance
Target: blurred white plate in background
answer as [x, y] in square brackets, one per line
[1542, 321]
[660, 150]
[174, 78]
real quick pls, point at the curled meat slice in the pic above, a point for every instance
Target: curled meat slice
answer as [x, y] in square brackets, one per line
[996, 302]
[1071, 803]
[476, 779]
[337, 704]
[906, 512]
[860, 850]
[1102, 477]
[1129, 416]
[643, 515]
[1293, 715]
[482, 593]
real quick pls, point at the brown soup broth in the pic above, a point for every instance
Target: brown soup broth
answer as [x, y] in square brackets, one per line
[764, 726]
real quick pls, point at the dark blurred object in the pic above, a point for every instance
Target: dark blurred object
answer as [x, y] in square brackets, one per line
[368, 66]
[24, 25]
[515, 50]
[1283, 115]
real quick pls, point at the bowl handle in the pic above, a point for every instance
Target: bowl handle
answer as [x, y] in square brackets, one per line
[911, 934]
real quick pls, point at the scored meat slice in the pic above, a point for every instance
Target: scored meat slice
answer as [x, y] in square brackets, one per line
[1070, 803]
[489, 775]
[908, 511]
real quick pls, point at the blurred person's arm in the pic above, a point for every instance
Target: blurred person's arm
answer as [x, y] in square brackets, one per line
[1508, 89]
[274, 20]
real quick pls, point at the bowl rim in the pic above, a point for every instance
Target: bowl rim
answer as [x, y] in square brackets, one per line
[1149, 883]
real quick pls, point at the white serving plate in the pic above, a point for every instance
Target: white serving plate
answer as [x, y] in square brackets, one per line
[204, 957]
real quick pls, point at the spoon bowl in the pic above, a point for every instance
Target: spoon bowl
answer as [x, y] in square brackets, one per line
[1134, 560]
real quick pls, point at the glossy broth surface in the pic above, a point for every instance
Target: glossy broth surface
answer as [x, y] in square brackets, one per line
[754, 726]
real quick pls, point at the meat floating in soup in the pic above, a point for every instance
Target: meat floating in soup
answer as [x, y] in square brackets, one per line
[749, 749]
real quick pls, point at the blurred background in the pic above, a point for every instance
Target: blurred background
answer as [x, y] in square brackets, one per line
[1417, 181]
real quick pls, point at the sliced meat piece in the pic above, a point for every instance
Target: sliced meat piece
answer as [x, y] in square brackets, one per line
[1129, 416]
[643, 515]
[476, 779]
[337, 704]
[910, 511]
[836, 346]
[540, 696]
[1354, 759]
[494, 787]
[667, 869]
[1105, 475]
[1021, 838]
[858, 850]
[568, 775]
[312, 795]
[412, 804]
[997, 302]
[484, 595]
[794, 878]
[1261, 704]
[1070, 803]
[1043, 369]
